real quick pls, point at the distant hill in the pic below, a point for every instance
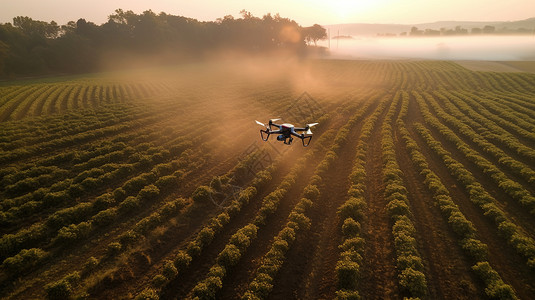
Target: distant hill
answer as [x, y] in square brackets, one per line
[367, 29]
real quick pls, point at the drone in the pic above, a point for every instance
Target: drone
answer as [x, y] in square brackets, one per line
[286, 131]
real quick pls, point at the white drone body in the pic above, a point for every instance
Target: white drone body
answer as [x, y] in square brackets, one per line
[286, 132]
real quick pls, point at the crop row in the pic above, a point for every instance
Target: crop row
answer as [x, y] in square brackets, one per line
[476, 250]
[262, 284]
[139, 230]
[38, 99]
[511, 187]
[524, 245]
[488, 124]
[510, 112]
[352, 213]
[240, 241]
[68, 225]
[205, 236]
[409, 263]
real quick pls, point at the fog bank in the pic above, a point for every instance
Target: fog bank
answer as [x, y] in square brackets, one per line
[493, 48]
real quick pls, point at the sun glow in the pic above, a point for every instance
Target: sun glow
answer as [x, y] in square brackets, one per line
[350, 10]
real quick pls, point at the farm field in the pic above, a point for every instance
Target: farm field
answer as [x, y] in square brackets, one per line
[419, 182]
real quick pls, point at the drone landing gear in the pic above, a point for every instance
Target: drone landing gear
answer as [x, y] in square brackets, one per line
[306, 141]
[264, 134]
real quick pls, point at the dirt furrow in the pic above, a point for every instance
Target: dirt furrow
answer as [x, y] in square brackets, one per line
[309, 271]
[379, 274]
[447, 270]
[236, 283]
[502, 257]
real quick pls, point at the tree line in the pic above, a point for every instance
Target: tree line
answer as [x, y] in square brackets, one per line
[31, 47]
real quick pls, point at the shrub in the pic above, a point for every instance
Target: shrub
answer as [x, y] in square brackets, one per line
[413, 281]
[217, 271]
[302, 221]
[129, 204]
[69, 215]
[148, 193]
[347, 274]
[242, 238]
[147, 223]
[73, 232]
[135, 184]
[90, 264]
[223, 219]
[496, 288]
[59, 290]
[128, 238]
[119, 194]
[409, 261]
[169, 270]
[166, 182]
[260, 287]
[207, 288]
[353, 244]
[405, 243]
[353, 208]
[56, 198]
[24, 260]
[311, 192]
[148, 294]
[114, 248]
[347, 295]
[159, 281]
[229, 257]
[477, 250]
[460, 224]
[350, 228]
[202, 195]
[182, 260]
[105, 217]
[103, 201]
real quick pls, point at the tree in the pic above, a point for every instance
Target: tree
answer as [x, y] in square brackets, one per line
[4, 51]
[314, 33]
[489, 29]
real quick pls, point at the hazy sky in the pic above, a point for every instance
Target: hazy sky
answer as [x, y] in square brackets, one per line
[305, 12]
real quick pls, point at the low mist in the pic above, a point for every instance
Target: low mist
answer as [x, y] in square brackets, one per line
[491, 48]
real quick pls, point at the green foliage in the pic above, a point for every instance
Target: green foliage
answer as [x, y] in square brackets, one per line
[73, 232]
[105, 217]
[24, 260]
[202, 195]
[130, 204]
[159, 281]
[90, 265]
[347, 295]
[230, 256]
[182, 261]
[353, 208]
[114, 248]
[148, 193]
[496, 288]
[148, 294]
[59, 290]
[414, 282]
[350, 228]
[169, 270]
[347, 274]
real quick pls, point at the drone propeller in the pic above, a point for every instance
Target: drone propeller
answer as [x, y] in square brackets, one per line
[308, 127]
[274, 120]
[260, 123]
